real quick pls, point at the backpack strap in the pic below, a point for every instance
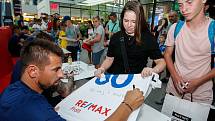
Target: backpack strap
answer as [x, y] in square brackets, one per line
[113, 27]
[211, 35]
[178, 28]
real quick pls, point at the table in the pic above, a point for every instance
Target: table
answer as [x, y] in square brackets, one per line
[86, 71]
[146, 113]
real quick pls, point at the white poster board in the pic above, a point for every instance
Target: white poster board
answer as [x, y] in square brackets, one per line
[99, 98]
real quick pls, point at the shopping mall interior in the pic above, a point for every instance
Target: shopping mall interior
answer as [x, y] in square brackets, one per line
[81, 10]
[78, 60]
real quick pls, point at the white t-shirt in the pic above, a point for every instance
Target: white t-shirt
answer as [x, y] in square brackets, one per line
[91, 34]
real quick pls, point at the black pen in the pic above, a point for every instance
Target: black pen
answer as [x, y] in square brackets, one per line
[133, 87]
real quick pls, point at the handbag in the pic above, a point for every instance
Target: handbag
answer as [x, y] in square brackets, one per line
[179, 109]
[87, 47]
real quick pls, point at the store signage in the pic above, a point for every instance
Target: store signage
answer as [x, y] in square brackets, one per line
[54, 6]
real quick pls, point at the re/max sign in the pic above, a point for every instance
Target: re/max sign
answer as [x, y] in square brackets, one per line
[91, 107]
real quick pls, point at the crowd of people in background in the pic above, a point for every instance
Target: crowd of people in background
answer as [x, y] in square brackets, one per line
[94, 36]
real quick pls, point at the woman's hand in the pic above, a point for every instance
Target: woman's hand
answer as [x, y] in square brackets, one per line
[99, 72]
[147, 71]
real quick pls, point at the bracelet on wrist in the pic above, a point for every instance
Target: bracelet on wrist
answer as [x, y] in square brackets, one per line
[128, 106]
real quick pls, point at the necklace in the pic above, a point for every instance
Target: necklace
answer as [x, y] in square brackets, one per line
[129, 38]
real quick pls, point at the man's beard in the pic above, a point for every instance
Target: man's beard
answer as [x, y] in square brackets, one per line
[44, 87]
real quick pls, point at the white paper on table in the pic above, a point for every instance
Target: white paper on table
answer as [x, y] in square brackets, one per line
[101, 95]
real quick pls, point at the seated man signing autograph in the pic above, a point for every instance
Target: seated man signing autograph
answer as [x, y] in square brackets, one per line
[42, 60]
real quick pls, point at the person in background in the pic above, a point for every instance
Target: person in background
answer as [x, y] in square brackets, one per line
[50, 24]
[37, 25]
[163, 28]
[62, 33]
[139, 44]
[97, 42]
[191, 71]
[173, 17]
[44, 22]
[112, 26]
[16, 42]
[42, 60]
[162, 45]
[166, 10]
[90, 36]
[20, 22]
[73, 37]
[24, 33]
[210, 8]
[155, 30]
[102, 22]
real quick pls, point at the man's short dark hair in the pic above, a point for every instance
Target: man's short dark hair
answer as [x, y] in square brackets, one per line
[37, 52]
[113, 14]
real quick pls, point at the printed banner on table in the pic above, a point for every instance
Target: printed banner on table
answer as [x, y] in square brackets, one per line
[99, 98]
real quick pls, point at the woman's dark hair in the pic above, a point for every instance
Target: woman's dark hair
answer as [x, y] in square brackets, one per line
[211, 8]
[90, 23]
[140, 24]
[166, 22]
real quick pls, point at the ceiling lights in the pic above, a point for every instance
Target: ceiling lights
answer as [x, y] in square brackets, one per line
[94, 2]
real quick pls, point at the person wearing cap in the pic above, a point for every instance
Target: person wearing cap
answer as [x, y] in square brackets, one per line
[112, 26]
[73, 36]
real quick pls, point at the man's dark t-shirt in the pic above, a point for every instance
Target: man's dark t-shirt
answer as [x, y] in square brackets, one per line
[20, 103]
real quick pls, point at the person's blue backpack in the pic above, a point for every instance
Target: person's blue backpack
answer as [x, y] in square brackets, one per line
[211, 35]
